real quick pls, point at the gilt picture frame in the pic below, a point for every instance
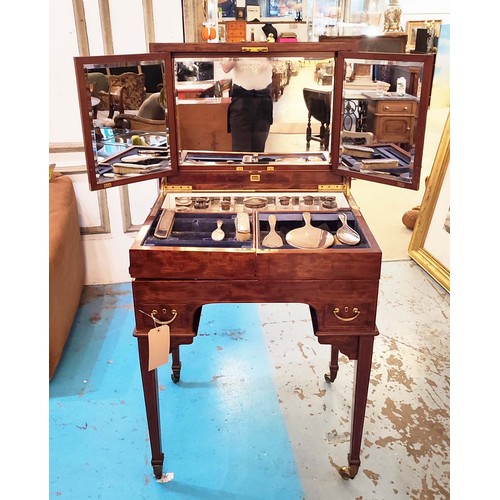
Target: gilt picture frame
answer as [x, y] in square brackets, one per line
[411, 31]
[430, 242]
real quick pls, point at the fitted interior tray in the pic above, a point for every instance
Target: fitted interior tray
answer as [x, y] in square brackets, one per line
[121, 152]
[195, 230]
[330, 222]
[382, 152]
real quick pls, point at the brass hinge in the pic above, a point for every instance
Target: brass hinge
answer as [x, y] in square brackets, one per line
[331, 187]
[175, 188]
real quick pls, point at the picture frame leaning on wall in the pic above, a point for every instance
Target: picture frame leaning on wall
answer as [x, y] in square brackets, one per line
[411, 31]
[430, 242]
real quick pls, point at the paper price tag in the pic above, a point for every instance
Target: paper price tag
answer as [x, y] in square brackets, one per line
[159, 346]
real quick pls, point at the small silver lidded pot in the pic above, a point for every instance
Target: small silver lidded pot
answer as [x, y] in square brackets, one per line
[201, 203]
[284, 200]
[329, 202]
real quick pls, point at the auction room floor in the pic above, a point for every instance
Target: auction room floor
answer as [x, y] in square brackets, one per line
[253, 417]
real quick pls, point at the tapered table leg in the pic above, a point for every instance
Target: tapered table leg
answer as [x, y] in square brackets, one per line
[151, 399]
[360, 397]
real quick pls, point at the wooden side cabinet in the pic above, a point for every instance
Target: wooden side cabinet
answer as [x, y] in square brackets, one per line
[391, 118]
[236, 31]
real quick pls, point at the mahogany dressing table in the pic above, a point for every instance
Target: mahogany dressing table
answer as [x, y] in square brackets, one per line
[177, 266]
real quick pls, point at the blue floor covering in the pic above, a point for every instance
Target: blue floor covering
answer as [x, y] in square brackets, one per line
[223, 433]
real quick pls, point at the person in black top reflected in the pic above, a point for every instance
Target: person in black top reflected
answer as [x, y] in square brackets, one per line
[250, 114]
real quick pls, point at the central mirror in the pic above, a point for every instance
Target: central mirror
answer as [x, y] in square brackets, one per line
[254, 105]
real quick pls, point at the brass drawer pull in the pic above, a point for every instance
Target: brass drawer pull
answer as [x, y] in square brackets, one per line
[254, 49]
[154, 312]
[355, 310]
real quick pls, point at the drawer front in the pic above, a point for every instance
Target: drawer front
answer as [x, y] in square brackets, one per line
[396, 107]
[345, 314]
[338, 305]
[351, 306]
[178, 263]
[149, 314]
[236, 31]
[327, 265]
[236, 38]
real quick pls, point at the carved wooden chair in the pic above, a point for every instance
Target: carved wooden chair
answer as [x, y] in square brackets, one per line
[319, 105]
[97, 83]
[130, 97]
[115, 96]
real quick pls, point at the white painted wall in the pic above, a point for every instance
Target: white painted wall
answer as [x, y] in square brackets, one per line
[107, 255]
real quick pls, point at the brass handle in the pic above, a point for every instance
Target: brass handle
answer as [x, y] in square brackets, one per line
[406, 108]
[154, 312]
[386, 108]
[254, 49]
[355, 310]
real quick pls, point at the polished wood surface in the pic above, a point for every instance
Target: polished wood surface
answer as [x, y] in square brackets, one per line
[340, 285]
[386, 42]
[198, 132]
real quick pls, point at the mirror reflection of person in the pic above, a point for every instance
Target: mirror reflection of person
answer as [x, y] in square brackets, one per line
[250, 114]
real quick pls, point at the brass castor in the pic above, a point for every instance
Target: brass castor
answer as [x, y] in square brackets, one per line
[330, 377]
[348, 471]
[158, 472]
[158, 466]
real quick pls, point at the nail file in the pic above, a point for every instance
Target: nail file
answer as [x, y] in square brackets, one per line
[165, 224]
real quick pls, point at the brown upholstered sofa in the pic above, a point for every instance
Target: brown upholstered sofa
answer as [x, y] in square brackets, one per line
[66, 264]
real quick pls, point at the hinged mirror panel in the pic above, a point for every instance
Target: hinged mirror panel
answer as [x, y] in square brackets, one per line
[124, 114]
[384, 100]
